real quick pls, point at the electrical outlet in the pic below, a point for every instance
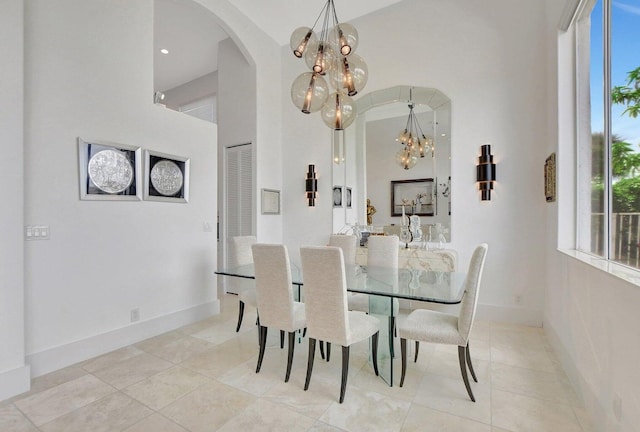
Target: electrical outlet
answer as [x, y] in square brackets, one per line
[518, 299]
[135, 314]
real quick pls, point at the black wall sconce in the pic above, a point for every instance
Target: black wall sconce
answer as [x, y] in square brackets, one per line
[486, 172]
[311, 185]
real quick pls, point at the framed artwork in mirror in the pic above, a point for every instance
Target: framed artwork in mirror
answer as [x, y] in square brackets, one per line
[337, 196]
[416, 196]
[166, 176]
[109, 171]
[347, 197]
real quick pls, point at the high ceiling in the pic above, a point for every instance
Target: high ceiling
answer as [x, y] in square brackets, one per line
[191, 35]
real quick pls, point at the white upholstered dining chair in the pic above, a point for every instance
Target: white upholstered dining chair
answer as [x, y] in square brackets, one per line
[349, 246]
[328, 318]
[274, 295]
[240, 254]
[438, 327]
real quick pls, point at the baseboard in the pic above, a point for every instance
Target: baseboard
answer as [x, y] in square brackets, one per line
[14, 381]
[62, 356]
[510, 314]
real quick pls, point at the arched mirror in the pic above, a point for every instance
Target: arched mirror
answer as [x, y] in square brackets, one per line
[369, 178]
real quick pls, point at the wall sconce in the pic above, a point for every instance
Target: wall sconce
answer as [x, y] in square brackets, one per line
[486, 172]
[311, 184]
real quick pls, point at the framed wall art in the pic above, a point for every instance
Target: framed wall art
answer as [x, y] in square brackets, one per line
[347, 197]
[109, 171]
[166, 177]
[550, 178]
[416, 196]
[270, 201]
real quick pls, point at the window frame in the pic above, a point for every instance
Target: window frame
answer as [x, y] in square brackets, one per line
[583, 130]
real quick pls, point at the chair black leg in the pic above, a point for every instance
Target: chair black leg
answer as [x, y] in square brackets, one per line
[469, 365]
[292, 344]
[403, 354]
[345, 372]
[392, 326]
[258, 324]
[415, 360]
[374, 353]
[322, 350]
[462, 356]
[328, 350]
[281, 339]
[262, 336]
[312, 353]
[240, 315]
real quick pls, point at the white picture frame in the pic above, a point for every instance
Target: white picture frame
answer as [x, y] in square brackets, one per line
[337, 196]
[270, 201]
[166, 177]
[109, 171]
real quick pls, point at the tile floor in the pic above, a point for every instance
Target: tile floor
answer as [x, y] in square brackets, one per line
[202, 378]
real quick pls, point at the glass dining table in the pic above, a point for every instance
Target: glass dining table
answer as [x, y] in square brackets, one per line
[383, 285]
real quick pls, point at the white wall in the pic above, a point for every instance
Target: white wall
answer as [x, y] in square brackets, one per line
[263, 54]
[236, 122]
[14, 374]
[89, 74]
[191, 91]
[590, 315]
[487, 57]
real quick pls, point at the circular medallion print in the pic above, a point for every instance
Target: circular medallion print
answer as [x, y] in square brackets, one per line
[166, 177]
[110, 171]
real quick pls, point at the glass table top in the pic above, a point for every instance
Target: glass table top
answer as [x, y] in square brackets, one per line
[412, 284]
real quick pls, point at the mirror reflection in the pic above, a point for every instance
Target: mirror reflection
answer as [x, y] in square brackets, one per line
[395, 160]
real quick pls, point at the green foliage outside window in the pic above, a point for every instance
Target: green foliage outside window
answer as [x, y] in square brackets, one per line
[625, 161]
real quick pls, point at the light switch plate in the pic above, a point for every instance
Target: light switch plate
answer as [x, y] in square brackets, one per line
[37, 232]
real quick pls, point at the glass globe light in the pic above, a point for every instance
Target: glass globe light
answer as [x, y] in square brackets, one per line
[339, 111]
[344, 37]
[405, 159]
[319, 57]
[414, 150]
[421, 149]
[410, 140]
[349, 74]
[428, 143]
[404, 135]
[300, 39]
[309, 92]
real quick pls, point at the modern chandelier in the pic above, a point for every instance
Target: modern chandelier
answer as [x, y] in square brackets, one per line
[414, 142]
[330, 57]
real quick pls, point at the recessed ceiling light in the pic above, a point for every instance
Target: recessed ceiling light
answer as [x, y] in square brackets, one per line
[164, 51]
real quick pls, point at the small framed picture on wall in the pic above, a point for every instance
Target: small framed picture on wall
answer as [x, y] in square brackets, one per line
[167, 177]
[109, 171]
[337, 196]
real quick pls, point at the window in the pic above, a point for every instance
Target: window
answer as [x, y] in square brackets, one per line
[608, 90]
